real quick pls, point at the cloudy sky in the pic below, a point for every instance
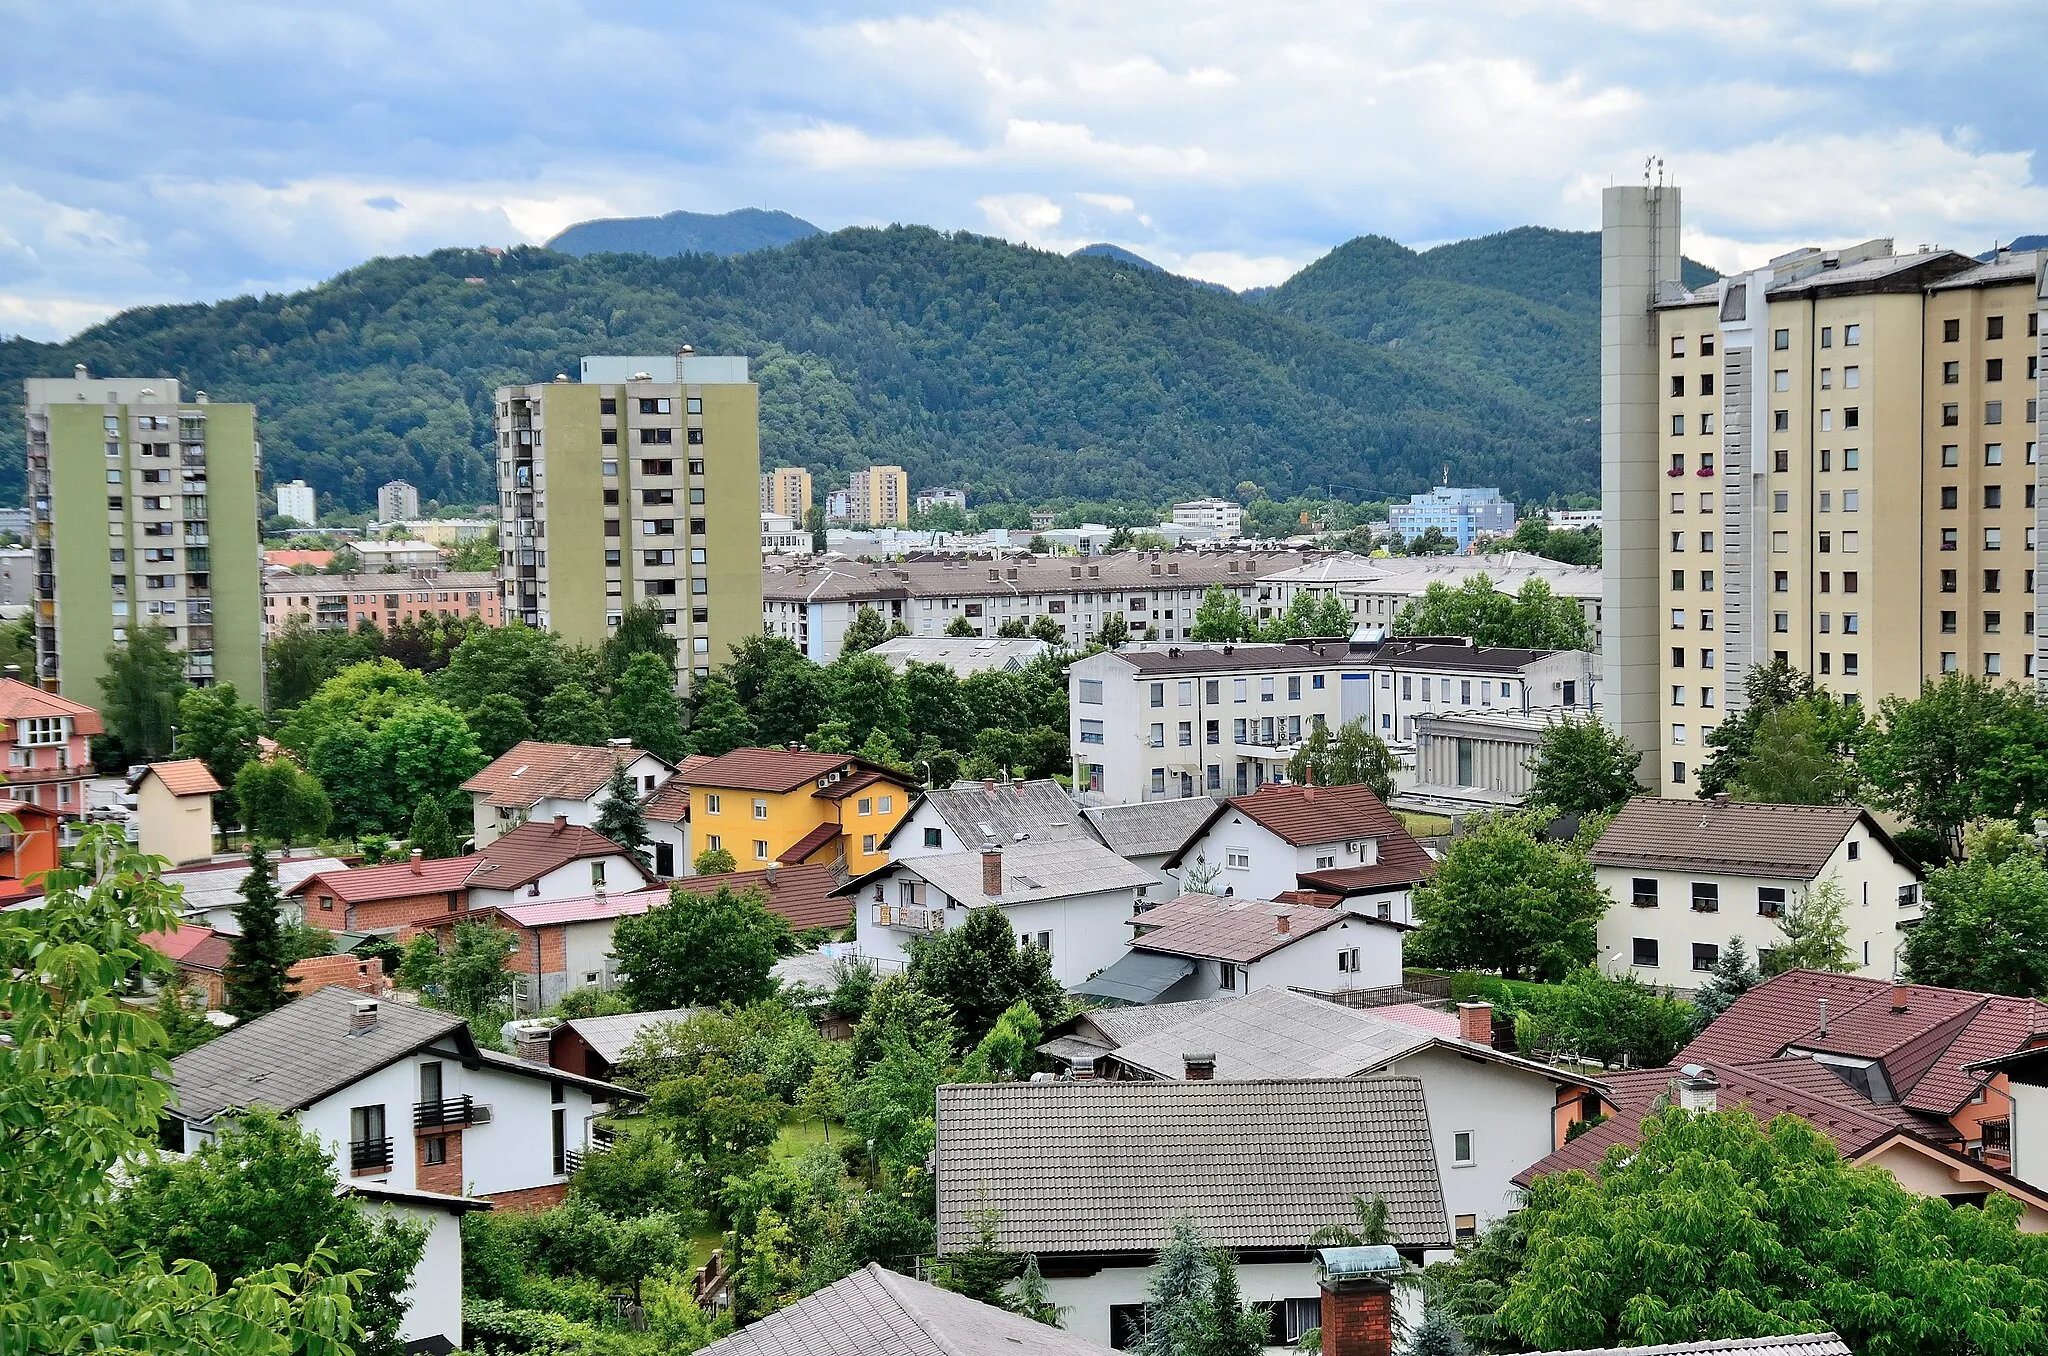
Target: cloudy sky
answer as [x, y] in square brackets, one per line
[196, 149]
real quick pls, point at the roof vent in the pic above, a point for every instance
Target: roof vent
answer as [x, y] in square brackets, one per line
[78, 372]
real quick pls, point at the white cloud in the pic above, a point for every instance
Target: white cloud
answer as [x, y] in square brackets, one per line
[1236, 271]
[1114, 202]
[1027, 218]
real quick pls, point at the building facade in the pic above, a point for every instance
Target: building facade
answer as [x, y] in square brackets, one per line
[782, 535]
[340, 602]
[787, 490]
[1376, 588]
[879, 497]
[295, 500]
[156, 496]
[927, 500]
[395, 500]
[1463, 515]
[623, 489]
[1405, 680]
[1224, 517]
[46, 742]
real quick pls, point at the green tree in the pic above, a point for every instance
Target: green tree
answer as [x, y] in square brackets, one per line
[982, 1270]
[641, 1172]
[1221, 616]
[517, 661]
[864, 632]
[619, 817]
[499, 722]
[264, 1193]
[1354, 756]
[255, 975]
[1505, 899]
[1985, 927]
[1581, 767]
[814, 523]
[1009, 1052]
[1115, 631]
[280, 802]
[1715, 1226]
[779, 689]
[1534, 618]
[961, 626]
[719, 723]
[1769, 688]
[868, 696]
[1177, 1294]
[1438, 1333]
[215, 727]
[645, 708]
[468, 977]
[433, 836]
[1031, 1299]
[979, 970]
[1733, 974]
[86, 1084]
[934, 707]
[1432, 541]
[1227, 1326]
[1792, 762]
[701, 950]
[478, 555]
[893, 1103]
[141, 692]
[1964, 749]
[1613, 1020]
[722, 1118]
[1815, 932]
[1049, 630]
[298, 659]
[571, 715]
[715, 862]
[641, 630]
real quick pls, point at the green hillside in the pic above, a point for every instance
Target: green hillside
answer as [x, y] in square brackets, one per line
[1016, 372]
[749, 228]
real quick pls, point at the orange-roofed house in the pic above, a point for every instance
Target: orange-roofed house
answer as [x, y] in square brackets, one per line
[27, 852]
[537, 780]
[174, 804]
[791, 806]
[47, 757]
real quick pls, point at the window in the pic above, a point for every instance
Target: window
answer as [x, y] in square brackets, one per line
[1949, 497]
[1948, 623]
[1770, 901]
[1461, 1149]
[1706, 897]
[1992, 538]
[1781, 501]
[1704, 954]
[1678, 426]
[1994, 411]
[434, 1150]
[1644, 892]
[1781, 460]
[1157, 693]
[1994, 496]
[934, 838]
[1678, 346]
[1678, 619]
[1643, 952]
[1951, 415]
[1994, 369]
[1781, 581]
[1091, 732]
[1852, 417]
[1781, 380]
[1781, 340]
[1994, 454]
[1994, 327]
[1852, 335]
[761, 848]
[1852, 459]
[1678, 774]
[1677, 385]
[1951, 373]
[1091, 692]
[1237, 859]
[1347, 961]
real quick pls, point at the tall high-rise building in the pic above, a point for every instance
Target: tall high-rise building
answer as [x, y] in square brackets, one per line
[879, 497]
[787, 490]
[151, 498]
[295, 500]
[636, 484]
[396, 500]
[1830, 460]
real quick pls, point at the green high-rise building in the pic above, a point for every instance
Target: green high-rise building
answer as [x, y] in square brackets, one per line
[143, 510]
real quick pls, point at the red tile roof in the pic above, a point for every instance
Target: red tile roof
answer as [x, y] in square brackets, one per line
[801, 894]
[691, 762]
[767, 769]
[670, 804]
[1319, 814]
[859, 781]
[808, 846]
[186, 777]
[532, 850]
[19, 700]
[392, 880]
[211, 954]
[532, 771]
[1211, 927]
[179, 942]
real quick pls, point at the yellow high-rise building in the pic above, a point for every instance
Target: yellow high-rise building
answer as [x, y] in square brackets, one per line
[879, 497]
[787, 490]
[1830, 460]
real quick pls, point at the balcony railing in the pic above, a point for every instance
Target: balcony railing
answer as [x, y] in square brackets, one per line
[909, 918]
[370, 1155]
[446, 1111]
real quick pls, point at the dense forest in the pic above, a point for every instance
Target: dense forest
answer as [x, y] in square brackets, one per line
[1019, 373]
[750, 228]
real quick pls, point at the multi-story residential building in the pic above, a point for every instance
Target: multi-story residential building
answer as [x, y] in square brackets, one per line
[879, 497]
[927, 500]
[45, 739]
[1156, 592]
[395, 500]
[295, 500]
[1224, 517]
[339, 602]
[1406, 679]
[17, 576]
[1376, 588]
[783, 536]
[631, 486]
[790, 806]
[787, 490]
[446, 531]
[1763, 436]
[1153, 724]
[154, 496]
[381, 556]
[838, 505]
[1463, 515]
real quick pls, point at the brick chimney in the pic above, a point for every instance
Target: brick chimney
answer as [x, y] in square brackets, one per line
[1902, 995]
[1475, 1022]
[1358, 1316]
[561, 823]
[362, 1015]
[1283, 924]
[533, 1047]
[1198, 1068]
[417, 857]
[992, 870]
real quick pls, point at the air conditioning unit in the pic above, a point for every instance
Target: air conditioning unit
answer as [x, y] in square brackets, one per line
[479, 1115]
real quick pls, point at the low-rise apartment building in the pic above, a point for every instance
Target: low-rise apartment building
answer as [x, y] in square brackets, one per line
[1404, 680]
[1376, 588]
[46, 739]
[1223, 517]
[342, 602]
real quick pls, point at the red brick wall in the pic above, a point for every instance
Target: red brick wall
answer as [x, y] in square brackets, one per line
[360, 973]
[391, 913]
[445, 1178]
[1358, 1319]
[531, 1198]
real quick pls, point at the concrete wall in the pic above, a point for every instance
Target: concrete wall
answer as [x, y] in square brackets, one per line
[433, 1299]
[177, 827]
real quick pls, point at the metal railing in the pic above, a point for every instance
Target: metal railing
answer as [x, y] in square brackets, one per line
[370, 1155]
[446, 1111]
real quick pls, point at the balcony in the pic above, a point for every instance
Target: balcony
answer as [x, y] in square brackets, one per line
[447, 1111]
[909, 918]
[369, 1155]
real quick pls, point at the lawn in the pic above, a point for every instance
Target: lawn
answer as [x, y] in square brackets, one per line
[797, 1137]
[1424, 825]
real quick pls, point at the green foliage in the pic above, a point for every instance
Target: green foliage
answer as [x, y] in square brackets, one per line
[262, 1194]
[254, 980]
[141, 691]
[723, 1120]
[1534, 617]
[1374, 1225]
[1222, 616]
[514, 660]
[298, 659]
[1614, 1020]
[700, 950]
[1539, 538]
[1815, 932]
[280, 802]
[1438, 1333]
[715, 862]
[1505, 899]
[642, 1171]
[499, 722]
[1031, 1299]
[1009, 1052]
[433, 836]
[572, 714]
[1964, 749]
[641, 630]
[645, 708]
[1116, 630]
[1354, 756]
[1733, 975]
[218, 729]
[469, 977]
[960, 626]
[1716, 1227]
[184, 1029]
[1227, 1326]
[1985, 927]
[618, 814]
[982, 1270]
[85, 1083]
[1793, 760]
[867, 697]
[1769, 688]
[1177, 1294]
[719, 724]
[380, 743]
[1582, 767]
[978, 970]
[865, 631]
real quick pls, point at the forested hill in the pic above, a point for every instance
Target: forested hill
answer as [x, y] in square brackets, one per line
[1015, 372]
[749, 228]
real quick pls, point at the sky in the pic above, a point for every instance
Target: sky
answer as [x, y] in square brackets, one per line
[191, 150]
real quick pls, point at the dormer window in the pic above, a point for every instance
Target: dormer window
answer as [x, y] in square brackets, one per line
[41, 731]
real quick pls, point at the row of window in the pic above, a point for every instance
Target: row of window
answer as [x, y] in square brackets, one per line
[1994, 623]
[1706, 895]
[865, 805]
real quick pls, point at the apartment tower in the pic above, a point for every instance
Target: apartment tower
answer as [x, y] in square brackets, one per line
[1840, 471]
[153, 497]
[635, 484]
[787, 490]
[879, 497]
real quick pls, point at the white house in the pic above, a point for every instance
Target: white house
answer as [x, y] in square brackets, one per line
[1071, 898]
[1376, 588]
[1090, 1176]
[1338, 840]
[537, 780]
[1491, 1114]
[1684, 876]
[553, 860]
[433, 1301]
[1405, 680]
[1147, 833]
[968, 815]
[1207, 946]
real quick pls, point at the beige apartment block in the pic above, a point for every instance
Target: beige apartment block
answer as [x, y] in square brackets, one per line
[879, 497]
[1845, 457]
[786, 490]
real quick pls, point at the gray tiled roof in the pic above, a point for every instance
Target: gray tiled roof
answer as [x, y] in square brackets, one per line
[976, 811]
[294, 1056]
[875, 1312]
[610, 1036]
[1150, 828]
[1809, 1344]
[1031, 871]
[1107, 1167]
[1273, 1033]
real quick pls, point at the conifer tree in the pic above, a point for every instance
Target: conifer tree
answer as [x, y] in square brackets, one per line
[432, 835]
[255, 976]
[619, 817]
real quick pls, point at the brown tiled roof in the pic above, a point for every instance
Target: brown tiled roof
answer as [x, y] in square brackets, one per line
[800, 891]
[1212, 927]
[1411, 865]
[691, 762]
[186, 777]
[392, 880]
[1472, 658]
[19, 700]
[532, 850]
[531, 771]
[211, 954]
[806, 847]
[1328, 814]
[1731, 837]
[670, 804]
[859, 781]
[766, 769]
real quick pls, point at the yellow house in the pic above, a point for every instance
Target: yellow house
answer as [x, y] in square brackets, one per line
[782, 805]
[174, 804]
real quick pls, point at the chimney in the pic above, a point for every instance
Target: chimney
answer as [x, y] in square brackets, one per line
[1823, 1017]
[1198, 1068]
[768, 872]
[14, 672]
[362, 1015]
[992, 870]
[1901, 994]
[1358, 1300]
[561, 823]
[1475, 1023]
[532, 1047]
[417, 857]
[1283, 924]
[1698, 1089]
[1720, 800]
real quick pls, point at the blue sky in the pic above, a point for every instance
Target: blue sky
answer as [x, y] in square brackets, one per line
[198, 149]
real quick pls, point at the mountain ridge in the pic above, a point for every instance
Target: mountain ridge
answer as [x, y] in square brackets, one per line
[726, 233]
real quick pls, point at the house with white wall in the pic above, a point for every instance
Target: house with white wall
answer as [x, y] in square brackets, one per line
[1684, 876]
[1071, 898]
[1206, 946]
[1148, 833]
[1407, 679]
[433, 1301]
[1340, 840]
[967, 815]
[536, 780]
